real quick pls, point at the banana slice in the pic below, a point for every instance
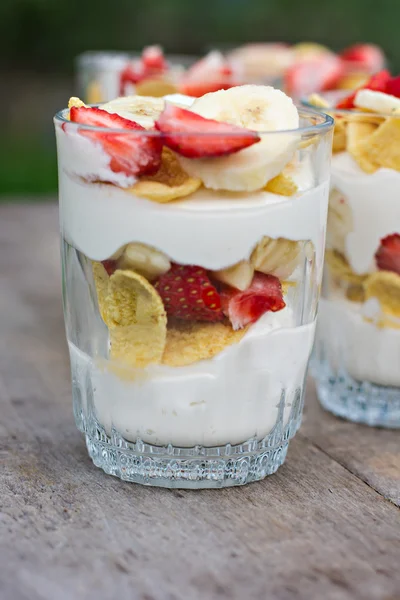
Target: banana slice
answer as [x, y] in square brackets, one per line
[238, 276]
[340, 221]
[142, 109]
[145, 260]
[277, 257]
[376, 101]
[259, 108]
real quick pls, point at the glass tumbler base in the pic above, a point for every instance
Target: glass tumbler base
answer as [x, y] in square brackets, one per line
[192, 468]
[361, 402]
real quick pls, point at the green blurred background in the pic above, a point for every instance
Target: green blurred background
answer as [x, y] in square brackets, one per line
[40, 38]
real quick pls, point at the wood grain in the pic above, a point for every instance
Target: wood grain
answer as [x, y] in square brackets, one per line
[320, 528]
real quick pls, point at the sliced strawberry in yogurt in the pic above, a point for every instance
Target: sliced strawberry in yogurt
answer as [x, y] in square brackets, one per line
[244, 308]
[131, 152]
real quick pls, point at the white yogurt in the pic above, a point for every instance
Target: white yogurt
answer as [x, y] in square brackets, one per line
[375, 205]
[365, 351]
[228, 399]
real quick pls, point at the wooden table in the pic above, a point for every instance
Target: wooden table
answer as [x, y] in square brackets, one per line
[326, 526]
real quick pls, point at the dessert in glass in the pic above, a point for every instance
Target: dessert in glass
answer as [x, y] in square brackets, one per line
[357, 357]
[104, 75]
[192, 247]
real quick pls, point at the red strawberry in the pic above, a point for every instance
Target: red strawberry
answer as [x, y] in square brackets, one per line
[377, 82]
[194, 136]
[188, 293]
[243, 308]
[210, 74]
[388, 254]
[153, 59]
[109, 265]
[199, 88]
[133, 73]
[131, 153]
[313, 75]
[365, 57]
[393, 86]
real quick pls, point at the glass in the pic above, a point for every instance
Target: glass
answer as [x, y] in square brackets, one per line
[179, 403]
[356, 362]
[100, 76]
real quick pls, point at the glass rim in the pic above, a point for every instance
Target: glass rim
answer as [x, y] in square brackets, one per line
[326, 122]
[343, 112]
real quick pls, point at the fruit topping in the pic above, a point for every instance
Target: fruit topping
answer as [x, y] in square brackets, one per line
[151, 64]
[388, 254]
[130, 152]
[238, 276]
[393, 86]
[188, 293]
[377, 82]
[145, 260]
[109, 265]
[210, 74]
[243, 308]
[318, 73]
[194, 136]
[363, 57]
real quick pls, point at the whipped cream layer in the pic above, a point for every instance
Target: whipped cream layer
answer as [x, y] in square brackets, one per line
[228, 399]
[375, 205]
[365, 351]
[211, 229]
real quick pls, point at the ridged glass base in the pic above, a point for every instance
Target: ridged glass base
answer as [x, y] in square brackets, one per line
[184, 467]
[362, 402]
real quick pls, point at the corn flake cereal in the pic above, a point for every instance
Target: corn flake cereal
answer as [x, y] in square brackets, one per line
[282, 184]
[169, 183]
[385, 286]
[136, 319]
[339, 136]
[341, 269]
[101, 280]
[76, 102]
[189, 342]
[384, 144]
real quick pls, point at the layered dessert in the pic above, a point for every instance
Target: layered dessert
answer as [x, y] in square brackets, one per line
[358, 346]
[193, 235]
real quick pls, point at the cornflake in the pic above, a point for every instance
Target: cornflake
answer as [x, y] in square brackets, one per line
[169, 183]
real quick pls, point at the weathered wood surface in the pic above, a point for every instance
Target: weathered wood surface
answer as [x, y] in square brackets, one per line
[321, 528]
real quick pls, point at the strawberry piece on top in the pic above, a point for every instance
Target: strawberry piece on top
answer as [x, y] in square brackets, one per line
[110, 265]
[388, 254]
[187, 293]
[210, 74]
[377, 83]
[313, 75]
[243, 308]
[393, 86]
[153, 60]
[365, 57]
[194, 136]
[131, 153]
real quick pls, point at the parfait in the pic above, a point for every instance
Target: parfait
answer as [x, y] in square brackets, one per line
[358, 342]
[192, 241]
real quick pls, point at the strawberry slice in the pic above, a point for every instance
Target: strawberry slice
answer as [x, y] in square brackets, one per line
[153, 60]
[393, 86]
[313, 75]
[377, 83]
[194, 136]
[364, 57]
[132, 74]
[388, 254]
[243, 308]
[110, 265]
[210, 74]
[199, 88]
[188, 293]
[131, 153]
